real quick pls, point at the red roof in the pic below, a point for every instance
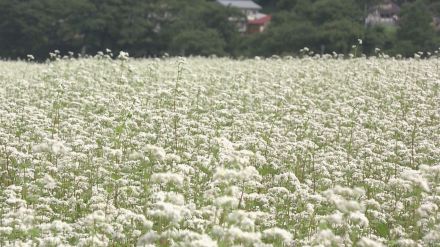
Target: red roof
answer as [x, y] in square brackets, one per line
[260, 21]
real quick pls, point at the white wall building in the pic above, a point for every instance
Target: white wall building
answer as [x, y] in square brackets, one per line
[386, 13]
[255, 21]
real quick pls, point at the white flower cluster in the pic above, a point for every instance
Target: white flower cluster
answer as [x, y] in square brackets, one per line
[206, 152]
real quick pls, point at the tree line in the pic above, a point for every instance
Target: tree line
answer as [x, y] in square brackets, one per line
[146, 28]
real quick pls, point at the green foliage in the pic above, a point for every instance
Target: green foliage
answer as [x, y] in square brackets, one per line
[325, 11]
[322, 25]
[278, 4]
[415, 32]
[201, 30]
[382, 229]
[289, 38]
[193, 42]
[434, 8]
[340, 35]
[381, 37]
[35, 26]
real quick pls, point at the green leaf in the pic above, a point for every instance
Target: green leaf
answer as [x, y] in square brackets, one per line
[382, 229]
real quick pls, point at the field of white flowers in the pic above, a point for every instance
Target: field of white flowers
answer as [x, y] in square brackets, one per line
[220, 152]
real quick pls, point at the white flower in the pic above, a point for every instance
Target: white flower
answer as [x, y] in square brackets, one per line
[433, 236]
[167, 178]
[427, 209]
[204, 241]
[156, 152]
[49, 182]
[58, 148]
[123, 55]
[236, 234]
[43, 147]
[326, 238]
[274, 234]
[226, 202]
[167, 211]
[147, 239]
[366, 242]
[359, 219]
[336, 218]
[416, 178]
[96, 216]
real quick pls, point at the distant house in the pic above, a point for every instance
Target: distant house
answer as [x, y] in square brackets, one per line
[386, 13]
[259, 23]
[255, 21]
[248, 7]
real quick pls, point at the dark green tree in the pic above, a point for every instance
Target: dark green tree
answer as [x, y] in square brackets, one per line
[278, 4]
[288, 39]
[119, 25]
[210, 21]
[40, 26]
[340, 24]
[416, 32]
[198, 42]
[381, 37]
[325, 11]
[340, 35]
[37, 26]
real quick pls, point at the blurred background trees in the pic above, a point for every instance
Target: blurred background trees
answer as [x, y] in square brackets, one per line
[416, 32]
[203, 27]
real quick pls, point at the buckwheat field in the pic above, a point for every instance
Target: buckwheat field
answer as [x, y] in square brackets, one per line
[220, 152]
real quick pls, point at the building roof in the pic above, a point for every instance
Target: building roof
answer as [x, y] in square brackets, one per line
[388, 8]
[241, 4]
[261, 20]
